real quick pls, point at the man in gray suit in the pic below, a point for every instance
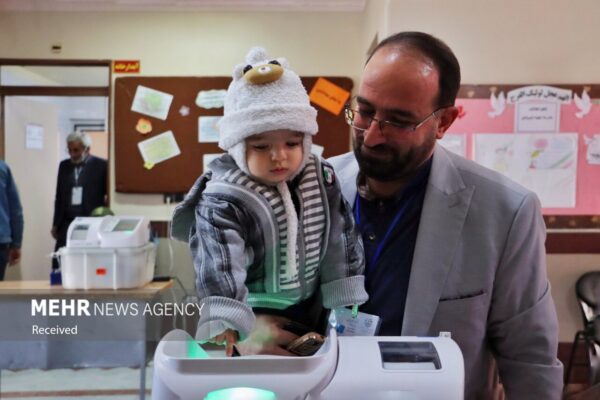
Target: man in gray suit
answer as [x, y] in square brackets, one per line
[450, 245]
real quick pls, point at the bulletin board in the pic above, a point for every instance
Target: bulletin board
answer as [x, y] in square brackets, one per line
[557, 128]
[177, 174]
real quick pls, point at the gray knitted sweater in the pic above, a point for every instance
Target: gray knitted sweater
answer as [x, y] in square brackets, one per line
[238, 231]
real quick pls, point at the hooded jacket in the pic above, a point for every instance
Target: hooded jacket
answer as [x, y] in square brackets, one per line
[236, 228]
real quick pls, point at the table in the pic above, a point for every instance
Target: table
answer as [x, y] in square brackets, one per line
[103, 338]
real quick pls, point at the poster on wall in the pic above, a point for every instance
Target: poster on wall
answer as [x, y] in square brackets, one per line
[34, 137]
[537, 116]
[208, 130]
[540, 162]
[537, 108]
[158, 149]
[152, 102]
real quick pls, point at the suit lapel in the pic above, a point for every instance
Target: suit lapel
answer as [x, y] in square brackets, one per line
[445, 207]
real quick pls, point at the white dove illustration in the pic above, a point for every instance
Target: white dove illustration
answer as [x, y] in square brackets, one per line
[498, 104]
[583, 103]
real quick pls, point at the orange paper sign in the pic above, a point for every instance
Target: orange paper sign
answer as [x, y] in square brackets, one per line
[329, 96]
[126, 66]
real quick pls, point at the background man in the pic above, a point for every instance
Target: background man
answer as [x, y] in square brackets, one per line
[80, 187]
[11, 220]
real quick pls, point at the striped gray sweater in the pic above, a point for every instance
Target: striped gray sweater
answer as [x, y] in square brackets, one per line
[252, 248]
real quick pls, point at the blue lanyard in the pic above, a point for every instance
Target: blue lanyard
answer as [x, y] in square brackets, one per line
[390, 229]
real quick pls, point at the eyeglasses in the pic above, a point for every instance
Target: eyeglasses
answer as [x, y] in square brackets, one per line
[362, 120]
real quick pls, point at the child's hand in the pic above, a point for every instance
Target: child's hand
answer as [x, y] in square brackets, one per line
[268, 337]
[229, 337]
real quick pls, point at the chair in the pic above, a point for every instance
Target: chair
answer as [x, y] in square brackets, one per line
[587, 290]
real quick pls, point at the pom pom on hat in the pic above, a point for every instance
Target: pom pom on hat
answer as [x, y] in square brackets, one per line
[265, 95]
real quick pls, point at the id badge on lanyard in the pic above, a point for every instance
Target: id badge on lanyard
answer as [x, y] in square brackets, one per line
[346, 324]
[77, 191]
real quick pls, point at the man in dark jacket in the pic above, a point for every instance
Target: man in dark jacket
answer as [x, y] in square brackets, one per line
[11, 220]
[80, 187]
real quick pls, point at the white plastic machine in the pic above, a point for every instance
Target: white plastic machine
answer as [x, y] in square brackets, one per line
[349, 367]
[107, 252]
[108, 231]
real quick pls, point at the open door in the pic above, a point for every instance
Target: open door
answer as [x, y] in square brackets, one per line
[41, 102]
[31, 150]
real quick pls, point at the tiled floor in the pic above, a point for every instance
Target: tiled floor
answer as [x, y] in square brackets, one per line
[123, 384]
[85, 384]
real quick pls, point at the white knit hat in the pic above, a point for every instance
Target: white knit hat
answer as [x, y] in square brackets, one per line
[265, 95]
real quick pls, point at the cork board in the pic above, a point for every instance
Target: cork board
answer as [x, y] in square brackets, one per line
[177, 174]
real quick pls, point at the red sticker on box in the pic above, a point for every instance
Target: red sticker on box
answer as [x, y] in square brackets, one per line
[100, 271]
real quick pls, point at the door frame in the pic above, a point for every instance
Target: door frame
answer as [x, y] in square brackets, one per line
[65, 91]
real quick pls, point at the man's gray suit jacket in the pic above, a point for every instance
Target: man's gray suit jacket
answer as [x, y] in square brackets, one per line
[479, 272]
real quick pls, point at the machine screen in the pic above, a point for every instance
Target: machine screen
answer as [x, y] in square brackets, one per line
[79, 232]
[410, 354]
[125, 225]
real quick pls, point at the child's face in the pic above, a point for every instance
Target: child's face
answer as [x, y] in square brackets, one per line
[274, 156]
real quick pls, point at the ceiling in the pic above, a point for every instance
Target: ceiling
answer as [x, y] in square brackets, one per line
[184, 5]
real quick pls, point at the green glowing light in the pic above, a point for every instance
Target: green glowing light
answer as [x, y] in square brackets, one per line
[241, 393]
[195, 351]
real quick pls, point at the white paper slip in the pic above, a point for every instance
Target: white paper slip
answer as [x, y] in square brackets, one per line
[211, 98]
[151, 102]
[207, 129]
[159, 148]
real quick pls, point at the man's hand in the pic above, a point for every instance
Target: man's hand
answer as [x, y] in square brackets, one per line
[229, 337]
[14, 256]
[268, 337]
[53, 232]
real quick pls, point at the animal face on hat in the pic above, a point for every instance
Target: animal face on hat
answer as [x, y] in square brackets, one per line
[263, 73]
[265, 95]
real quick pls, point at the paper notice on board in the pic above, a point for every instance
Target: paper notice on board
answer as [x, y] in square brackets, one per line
[151, 102]
[211, 98]
[159, 148]
[592, 154]
[34, 137]
[329, 96]
[543, 163]
[537, 117]
[539, 92]
[455, 142]
[208, 132]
